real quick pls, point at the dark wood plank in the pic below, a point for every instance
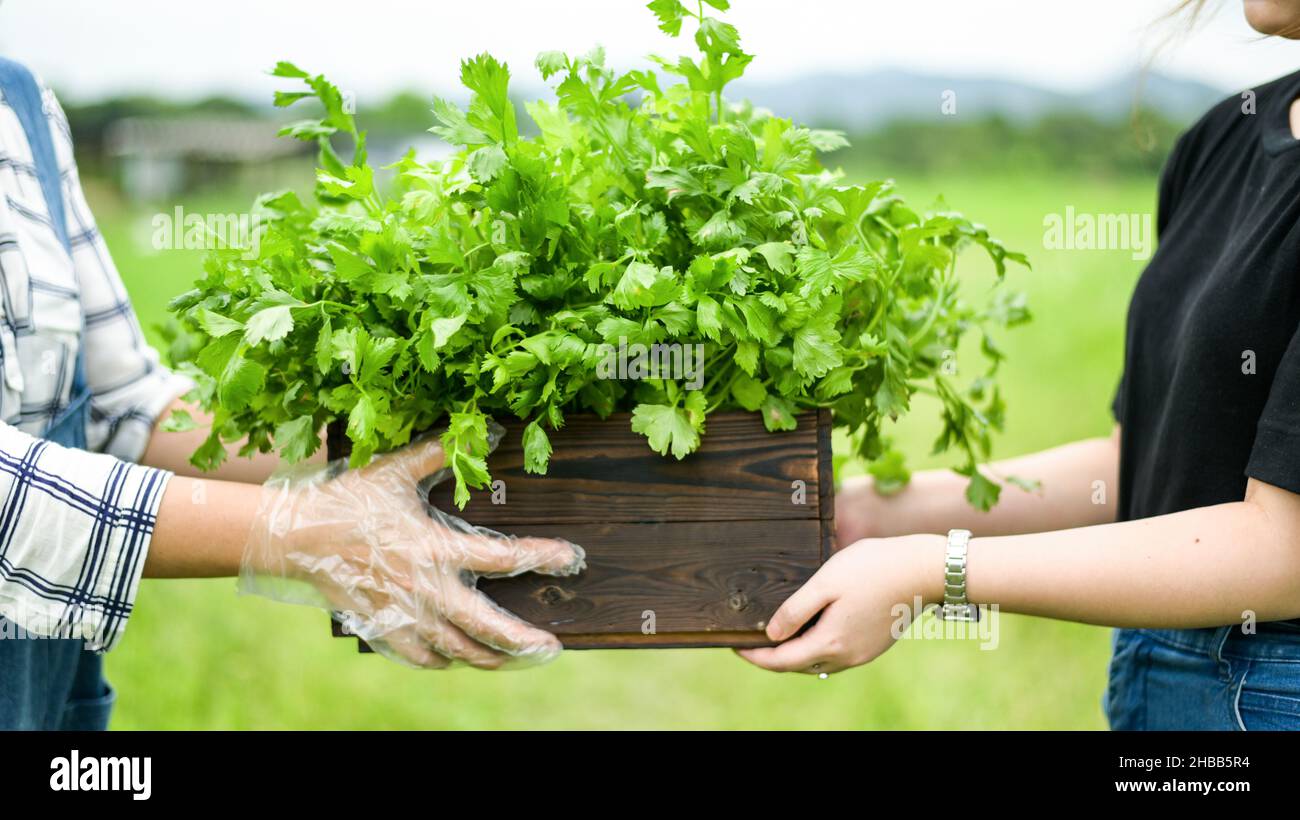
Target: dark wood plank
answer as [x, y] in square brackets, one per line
[826, 483]
[600, 470]
[660, 640]
[717, 582]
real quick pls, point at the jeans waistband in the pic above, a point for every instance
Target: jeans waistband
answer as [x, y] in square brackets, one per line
[1273, 641]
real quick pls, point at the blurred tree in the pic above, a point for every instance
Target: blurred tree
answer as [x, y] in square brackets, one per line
[1058, 141]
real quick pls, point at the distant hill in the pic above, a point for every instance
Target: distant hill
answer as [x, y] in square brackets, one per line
[894, 117]
[869, 100]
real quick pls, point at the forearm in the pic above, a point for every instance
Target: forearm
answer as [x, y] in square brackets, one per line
[202, 528]
[1213, 566]
[171, 451]
[1077, 487]
[1201, 567]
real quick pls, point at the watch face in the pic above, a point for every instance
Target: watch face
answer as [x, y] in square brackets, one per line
[960, 612]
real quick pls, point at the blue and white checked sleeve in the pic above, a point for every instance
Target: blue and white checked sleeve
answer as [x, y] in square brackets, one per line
[129, 388]
[74, 530]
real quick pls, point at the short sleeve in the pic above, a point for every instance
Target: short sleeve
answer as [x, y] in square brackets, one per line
[75, 537]
[1275, 455]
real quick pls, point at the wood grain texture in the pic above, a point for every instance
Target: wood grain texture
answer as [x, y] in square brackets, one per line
[602, 471]
[702, 550]
[825, 483]
[698, 581]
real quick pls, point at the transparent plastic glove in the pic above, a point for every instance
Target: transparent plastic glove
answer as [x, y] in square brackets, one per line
[399, 573]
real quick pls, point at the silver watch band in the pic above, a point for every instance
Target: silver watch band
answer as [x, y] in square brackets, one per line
[955, 607]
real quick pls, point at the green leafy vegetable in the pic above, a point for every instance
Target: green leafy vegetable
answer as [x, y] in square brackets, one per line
[638, 209]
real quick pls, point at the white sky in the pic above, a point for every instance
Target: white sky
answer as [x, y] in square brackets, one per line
[91, 48]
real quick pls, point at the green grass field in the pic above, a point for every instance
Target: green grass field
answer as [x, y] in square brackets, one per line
[195, 656]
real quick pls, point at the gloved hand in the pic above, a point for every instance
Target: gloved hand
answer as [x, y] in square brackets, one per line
[367, 545]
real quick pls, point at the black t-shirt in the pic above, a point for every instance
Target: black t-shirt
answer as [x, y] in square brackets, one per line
[1211, 388]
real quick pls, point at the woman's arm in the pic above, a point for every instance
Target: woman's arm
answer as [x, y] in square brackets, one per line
[1204, 567]
[203, 525]
[1079, 487]
[363, 542]
[171, 451]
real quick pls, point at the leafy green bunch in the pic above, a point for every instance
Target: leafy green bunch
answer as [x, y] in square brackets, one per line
[634, 209]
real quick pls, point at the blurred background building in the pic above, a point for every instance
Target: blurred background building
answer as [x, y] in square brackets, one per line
[156, 158]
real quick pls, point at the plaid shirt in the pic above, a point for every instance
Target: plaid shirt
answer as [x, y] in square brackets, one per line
[74, 525]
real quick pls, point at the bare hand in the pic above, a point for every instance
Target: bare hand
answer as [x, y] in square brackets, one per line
[865, 596]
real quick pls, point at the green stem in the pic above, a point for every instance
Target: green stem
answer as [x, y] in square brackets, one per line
[884, 298]
[713, 381]
[862, 237]
[724, 393]
[327, 303]
[940, 297]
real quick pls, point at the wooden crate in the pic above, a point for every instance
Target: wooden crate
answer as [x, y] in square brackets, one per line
[711, 545]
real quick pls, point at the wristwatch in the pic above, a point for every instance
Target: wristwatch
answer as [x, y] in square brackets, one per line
[955, 607]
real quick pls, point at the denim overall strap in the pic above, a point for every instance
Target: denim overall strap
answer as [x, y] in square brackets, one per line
[68, 427]
[50, 683]
[24, 97]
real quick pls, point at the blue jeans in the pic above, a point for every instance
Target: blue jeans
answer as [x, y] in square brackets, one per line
[51, 684]
[1205, 679]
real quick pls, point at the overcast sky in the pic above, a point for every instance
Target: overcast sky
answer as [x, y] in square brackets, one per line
[91, 48]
